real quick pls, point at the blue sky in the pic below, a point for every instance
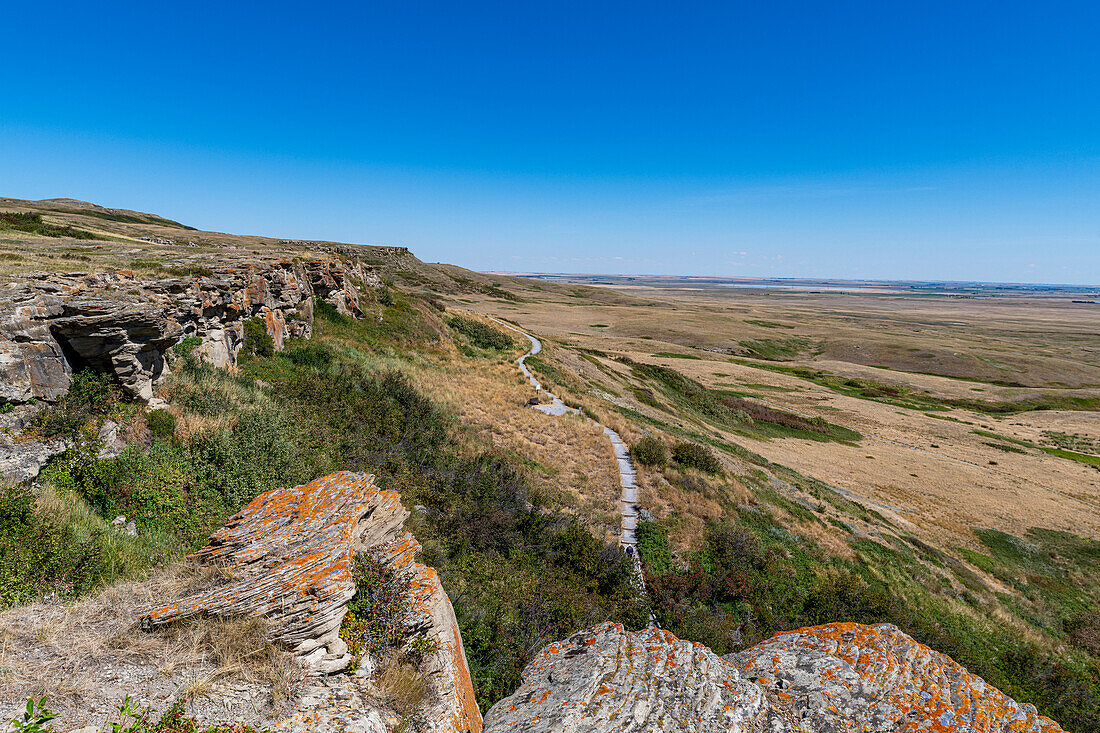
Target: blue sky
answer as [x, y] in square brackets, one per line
[935, 140]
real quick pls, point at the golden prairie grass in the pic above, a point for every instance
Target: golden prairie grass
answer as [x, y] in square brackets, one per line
[401, 685]
[58, 650]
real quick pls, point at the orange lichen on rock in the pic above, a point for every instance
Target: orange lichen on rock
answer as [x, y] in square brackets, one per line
[290, 553]
[851, 677]
[837, 678]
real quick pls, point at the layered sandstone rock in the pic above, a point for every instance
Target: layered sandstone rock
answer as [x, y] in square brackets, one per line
[52, 324]
[827, 679]
[609, 679]
[290, 552]
[851, 677]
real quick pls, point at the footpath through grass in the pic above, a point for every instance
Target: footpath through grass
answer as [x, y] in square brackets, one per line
[521, 574]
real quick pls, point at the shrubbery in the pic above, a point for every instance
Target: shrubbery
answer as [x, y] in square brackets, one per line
[480, 334]
[650, 451]
[694, 455]
[257, 341]
[90, 395]
[161, 423]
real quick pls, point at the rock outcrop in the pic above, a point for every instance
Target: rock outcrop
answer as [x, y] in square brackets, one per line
[851, 677]
[52, 324]
[610, 679]
[827, 679]
[290, 552]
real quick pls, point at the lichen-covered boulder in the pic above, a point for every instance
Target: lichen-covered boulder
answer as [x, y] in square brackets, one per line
[290, 553]
[610, 679]
[850, 677]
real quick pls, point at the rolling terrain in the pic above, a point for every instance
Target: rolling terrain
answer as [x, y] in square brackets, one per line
[925, 455]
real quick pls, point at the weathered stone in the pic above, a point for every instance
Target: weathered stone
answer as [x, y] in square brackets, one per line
[291, 553]
[52, 325]
[851, 677]
[837, 678]
[22, 458]
[609, 679]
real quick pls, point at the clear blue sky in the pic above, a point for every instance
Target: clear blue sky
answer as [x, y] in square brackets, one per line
[920, 140]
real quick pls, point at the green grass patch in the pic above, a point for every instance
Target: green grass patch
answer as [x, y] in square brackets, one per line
[777, 349]
[767, 324]
[677, 355]
[33, 224]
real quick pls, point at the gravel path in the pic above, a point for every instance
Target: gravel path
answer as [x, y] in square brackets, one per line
[629, 496]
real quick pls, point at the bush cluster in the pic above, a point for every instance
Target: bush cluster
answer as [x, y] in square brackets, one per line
[480, 334]
[650, 451]
[375, 619]
[90, 395]
[694, 455]
[257, 341]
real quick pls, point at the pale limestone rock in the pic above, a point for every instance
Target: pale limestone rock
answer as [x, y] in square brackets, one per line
[609, 679]
[842, 677]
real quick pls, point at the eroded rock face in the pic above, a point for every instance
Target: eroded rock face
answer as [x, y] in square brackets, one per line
[291, 553]
[851, 677]
[52, 324]
[837, 678]
[609, 679]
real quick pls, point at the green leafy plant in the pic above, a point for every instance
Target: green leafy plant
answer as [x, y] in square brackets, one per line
[161, 423]
[36, 718]
[480, 334]
[650, 451]
[257, 341]
[694, 455]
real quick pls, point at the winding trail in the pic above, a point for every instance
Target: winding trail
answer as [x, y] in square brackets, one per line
[628, 498]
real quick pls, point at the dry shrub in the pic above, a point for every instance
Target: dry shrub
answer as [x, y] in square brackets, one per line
[401, 685]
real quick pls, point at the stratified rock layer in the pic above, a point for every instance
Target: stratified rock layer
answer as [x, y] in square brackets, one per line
[609, 679]
[850, 677]
[53, 324]
[291, 551]
[837, 678]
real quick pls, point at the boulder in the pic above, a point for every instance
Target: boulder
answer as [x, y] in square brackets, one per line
[845, 677]
[291, 553]
[610, 679]
[836, 678]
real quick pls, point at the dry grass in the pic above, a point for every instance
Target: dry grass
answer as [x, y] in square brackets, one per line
[85, 656]
[401, 685]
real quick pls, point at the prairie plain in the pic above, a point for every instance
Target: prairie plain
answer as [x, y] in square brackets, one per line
[977, 406]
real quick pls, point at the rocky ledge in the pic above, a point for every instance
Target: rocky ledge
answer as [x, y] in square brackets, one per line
[828, 679]
[52, 324]
[290, 554]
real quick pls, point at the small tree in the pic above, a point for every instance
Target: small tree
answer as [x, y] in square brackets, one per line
[257, 341]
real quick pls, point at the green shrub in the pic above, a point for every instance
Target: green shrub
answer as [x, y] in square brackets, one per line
[480, 334]
[187, 346]
[375, 619]
[161, 423]
[653, 547]
[90, 395]
[650, 451]
[56, 543]
[694, 455]
[326, 311]
[257, 341]
[33, 224]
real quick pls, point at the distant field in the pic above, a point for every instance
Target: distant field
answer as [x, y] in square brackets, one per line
[914, 368]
